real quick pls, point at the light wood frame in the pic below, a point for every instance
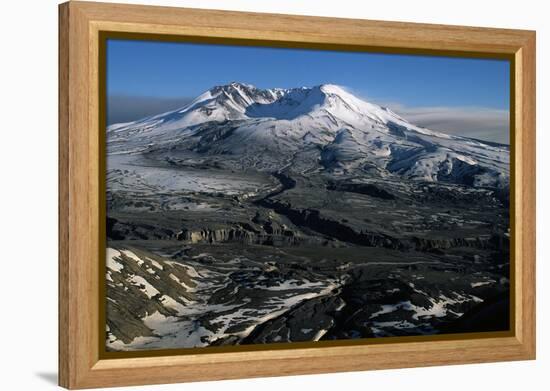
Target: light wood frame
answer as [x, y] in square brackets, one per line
[80, 23]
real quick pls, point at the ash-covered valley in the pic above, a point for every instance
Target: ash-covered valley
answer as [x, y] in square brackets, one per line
[256, 216]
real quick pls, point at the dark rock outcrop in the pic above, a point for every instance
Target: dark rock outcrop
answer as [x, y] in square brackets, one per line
[361, 188]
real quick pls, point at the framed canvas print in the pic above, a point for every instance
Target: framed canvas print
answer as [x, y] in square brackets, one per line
[248, 195]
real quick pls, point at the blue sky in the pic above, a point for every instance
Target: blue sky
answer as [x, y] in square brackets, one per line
[182, 70]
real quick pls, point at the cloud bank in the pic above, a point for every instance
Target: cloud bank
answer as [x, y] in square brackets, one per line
[481, 123]
[123, 108]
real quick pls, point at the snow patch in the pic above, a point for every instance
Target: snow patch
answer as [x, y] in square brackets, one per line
[144, 285]
[112, 263]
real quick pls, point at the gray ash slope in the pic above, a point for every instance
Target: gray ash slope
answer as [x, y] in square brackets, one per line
[297, 215]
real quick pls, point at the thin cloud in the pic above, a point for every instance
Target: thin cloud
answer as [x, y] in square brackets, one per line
[475, 122]
[123, 108]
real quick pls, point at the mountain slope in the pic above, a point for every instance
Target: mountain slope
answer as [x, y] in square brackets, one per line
[322, 128]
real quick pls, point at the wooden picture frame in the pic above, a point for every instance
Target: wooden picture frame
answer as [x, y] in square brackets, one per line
[81, 214]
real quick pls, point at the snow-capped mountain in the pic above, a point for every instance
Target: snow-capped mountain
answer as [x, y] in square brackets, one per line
[324, 126]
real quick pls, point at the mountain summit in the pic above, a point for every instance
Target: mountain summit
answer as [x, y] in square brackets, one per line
[336, 131]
